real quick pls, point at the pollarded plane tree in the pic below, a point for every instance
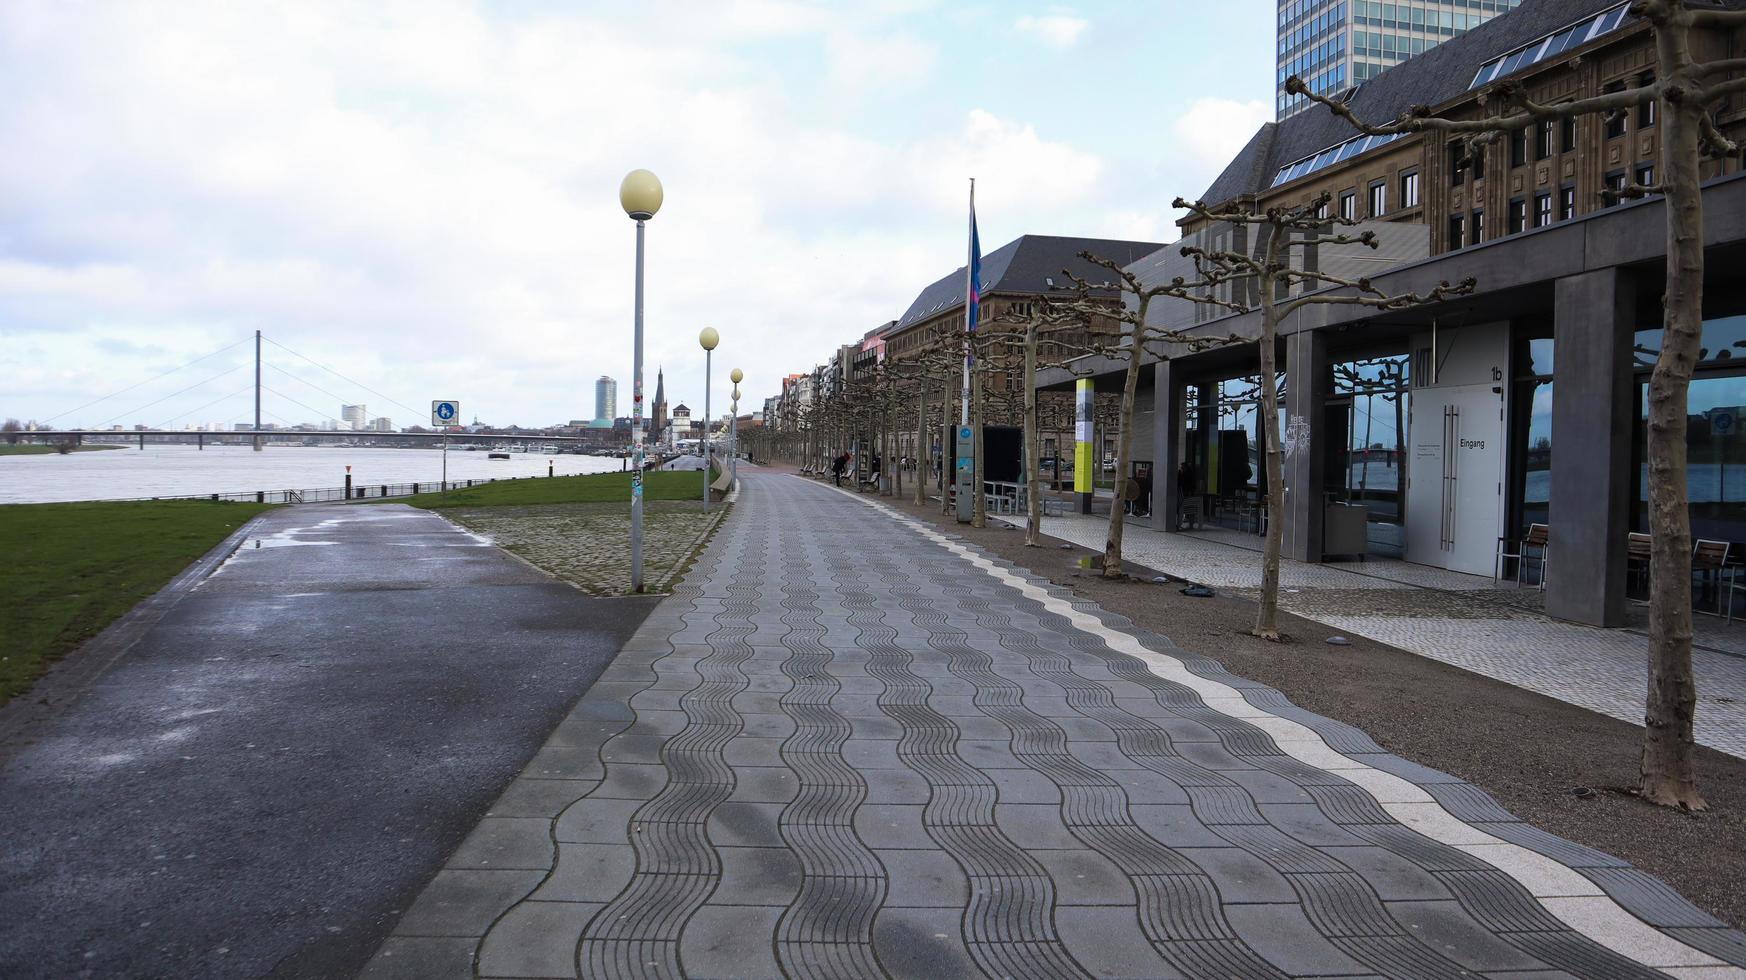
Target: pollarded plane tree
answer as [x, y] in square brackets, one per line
[1135, 338]
[1687, 94]
[1274, 279]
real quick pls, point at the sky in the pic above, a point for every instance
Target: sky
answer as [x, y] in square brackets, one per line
[422, 196]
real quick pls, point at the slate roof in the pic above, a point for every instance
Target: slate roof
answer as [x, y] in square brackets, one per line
[1432, 78]
[1022, 265]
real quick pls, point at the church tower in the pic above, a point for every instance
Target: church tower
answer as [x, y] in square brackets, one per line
[658, 420]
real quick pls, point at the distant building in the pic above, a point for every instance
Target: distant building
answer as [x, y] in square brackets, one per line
[354, 417]
[383, 424]
[605, 401]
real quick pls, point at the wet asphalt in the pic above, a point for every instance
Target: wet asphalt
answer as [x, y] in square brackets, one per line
[268, 777]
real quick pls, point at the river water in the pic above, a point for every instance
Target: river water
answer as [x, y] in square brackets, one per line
[176, 471]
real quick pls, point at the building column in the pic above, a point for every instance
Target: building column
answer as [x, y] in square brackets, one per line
[1306, 396]
[1167, 421]
[1593, 403]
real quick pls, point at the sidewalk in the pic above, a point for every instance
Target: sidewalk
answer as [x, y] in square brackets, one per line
[1458, 619]
[850, 745]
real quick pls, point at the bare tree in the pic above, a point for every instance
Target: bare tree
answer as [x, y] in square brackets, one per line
[11, 428]
[1688, 94]
[1276, 281]
[1138, 338]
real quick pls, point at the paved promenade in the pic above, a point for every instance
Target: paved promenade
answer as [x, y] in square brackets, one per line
[851, 746]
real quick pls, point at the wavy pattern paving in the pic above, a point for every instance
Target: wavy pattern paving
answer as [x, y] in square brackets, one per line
[852, 746]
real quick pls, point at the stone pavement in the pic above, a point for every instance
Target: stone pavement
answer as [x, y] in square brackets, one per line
[852, 746]
[1455, 618]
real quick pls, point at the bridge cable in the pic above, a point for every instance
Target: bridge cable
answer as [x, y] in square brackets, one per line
[244, 390]
[339, 398]
[147, 381]
[317, 411]
[172, 395]
[416, 412]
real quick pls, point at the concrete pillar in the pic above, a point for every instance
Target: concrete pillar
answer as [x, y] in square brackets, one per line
[1593, 404]
[1167, 420]
[1306, 396]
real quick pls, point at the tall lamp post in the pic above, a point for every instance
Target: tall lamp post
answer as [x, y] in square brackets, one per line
[736, 375]
[707, 340]
[640, 195]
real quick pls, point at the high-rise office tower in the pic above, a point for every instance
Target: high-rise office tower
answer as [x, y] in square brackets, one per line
[605, 399]
[355, 416]
[1335, 44]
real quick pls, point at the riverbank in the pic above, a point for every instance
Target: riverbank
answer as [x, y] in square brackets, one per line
[72, 569]
[594, 488]
[23, 450]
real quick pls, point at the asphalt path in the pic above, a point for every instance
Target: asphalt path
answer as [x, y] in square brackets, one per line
[271, 772]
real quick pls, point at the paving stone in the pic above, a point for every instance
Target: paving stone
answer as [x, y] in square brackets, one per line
[761, 724]
[631, 781]
[862, 753]
[464, 903]
[757, 876]
[1448, 930]
[923, 879]
[1175, 826]
[1035, 826]
[1306, 822]
[1281, 935]
[1143, 786]
[895, 786]
[588, 873]
[1085, 877]
[1025, 786]
[764, 784]
[421, 958]
[1392, 877]
[891, 825]
[731, 941]
[565, 762]
[592, 821]
[753, 751]
[1108, 943]
[921, 944]
[535, 939]
[746, 825]
[506, 842]
[540, 797]
[1240, 876]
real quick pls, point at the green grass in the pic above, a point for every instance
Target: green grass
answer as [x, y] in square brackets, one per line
[72, 569]
[24, 450]
[593, 488]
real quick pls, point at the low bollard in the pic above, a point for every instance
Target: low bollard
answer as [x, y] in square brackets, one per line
[260, 496]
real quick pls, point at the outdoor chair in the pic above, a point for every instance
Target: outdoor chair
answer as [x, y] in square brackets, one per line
[1534, 546]
[1708, 558]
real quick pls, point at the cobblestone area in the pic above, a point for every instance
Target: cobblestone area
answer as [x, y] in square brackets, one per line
[851, 746]
[1457, 619]
[588, 545]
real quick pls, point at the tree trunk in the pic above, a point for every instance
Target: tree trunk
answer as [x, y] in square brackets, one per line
[1267, 613]
[1033, 479]
[1112, 545]
[1669, 771]
[922, 456]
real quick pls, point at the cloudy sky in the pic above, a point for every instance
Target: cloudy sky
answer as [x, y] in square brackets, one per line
[423, 195]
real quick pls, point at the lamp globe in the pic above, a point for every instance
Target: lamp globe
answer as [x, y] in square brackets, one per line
[640, 194]
[709, 338]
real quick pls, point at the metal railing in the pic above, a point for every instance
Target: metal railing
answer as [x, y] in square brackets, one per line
[359, 491]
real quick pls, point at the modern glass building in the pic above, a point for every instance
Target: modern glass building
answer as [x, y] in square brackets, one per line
[605, 398]
[1334, 44]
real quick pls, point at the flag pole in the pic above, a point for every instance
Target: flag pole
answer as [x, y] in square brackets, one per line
[969, 305]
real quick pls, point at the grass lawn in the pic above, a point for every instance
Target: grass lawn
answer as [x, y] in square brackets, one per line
[23, 450]
[72, 569]
[593, 488]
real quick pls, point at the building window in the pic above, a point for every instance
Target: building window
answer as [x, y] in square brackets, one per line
[1379, 199]
[1567, 134]
[1322, 210]
[1518, 215]
[1543, 139]
[1409, 189]
[1478, 163]
[1567, 202]
[1542, 210]
[1646, 111]
[1349, 205]
[1518, 147]
[1615, 182]
[1615, 127]
[1478, 225]
[1645, 174]
[1454, 232]
[1457, 161]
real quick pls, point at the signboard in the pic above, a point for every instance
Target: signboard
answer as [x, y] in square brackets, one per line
[444, 413]
[965, 477]
[1083, 464]
[1722, 422]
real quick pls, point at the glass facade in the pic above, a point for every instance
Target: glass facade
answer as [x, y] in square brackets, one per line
[1224, 447]
[1333, 44]
[1369, 400]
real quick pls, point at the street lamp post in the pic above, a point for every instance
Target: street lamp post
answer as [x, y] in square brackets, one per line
[707, 340]
[640, 195]
[736, 375]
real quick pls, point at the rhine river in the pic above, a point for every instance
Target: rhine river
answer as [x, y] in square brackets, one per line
[180, 471]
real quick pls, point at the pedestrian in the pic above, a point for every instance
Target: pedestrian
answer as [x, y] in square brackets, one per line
[838, 465]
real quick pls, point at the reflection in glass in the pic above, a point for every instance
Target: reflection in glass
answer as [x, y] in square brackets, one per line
[1371, 394]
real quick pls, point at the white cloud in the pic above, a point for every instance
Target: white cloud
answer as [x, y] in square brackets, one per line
[1212, 130]
[1060, 28]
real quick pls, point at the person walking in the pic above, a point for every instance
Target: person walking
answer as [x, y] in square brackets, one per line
[838, 465]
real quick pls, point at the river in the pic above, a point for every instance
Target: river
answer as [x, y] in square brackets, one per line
[176, 471]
